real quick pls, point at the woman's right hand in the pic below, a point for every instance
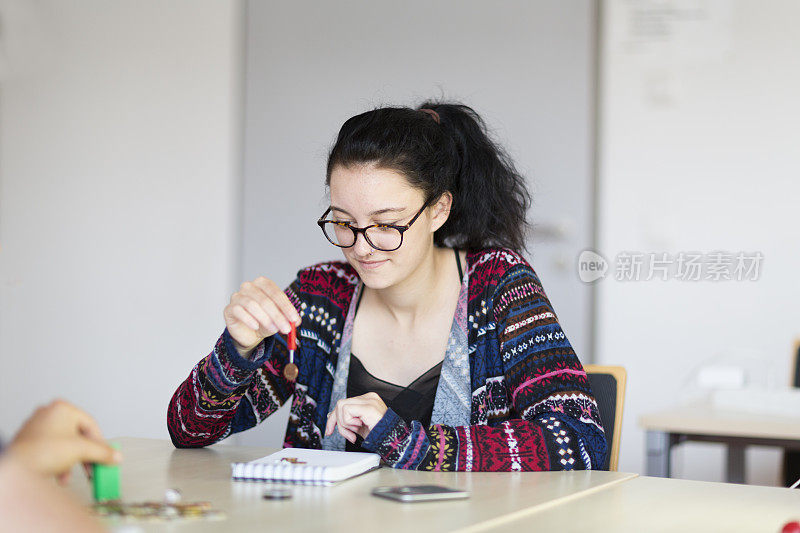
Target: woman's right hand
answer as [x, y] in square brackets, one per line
[258, 310]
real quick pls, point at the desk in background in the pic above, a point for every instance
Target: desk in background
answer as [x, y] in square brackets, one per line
[652, 505]
[666, 429]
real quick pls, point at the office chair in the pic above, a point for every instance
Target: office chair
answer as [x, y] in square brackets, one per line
[791, 459]
[608, 386]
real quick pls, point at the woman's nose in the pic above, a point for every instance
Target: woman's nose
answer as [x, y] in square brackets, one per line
[361, 246]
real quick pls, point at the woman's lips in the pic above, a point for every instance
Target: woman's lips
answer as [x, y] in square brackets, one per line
[370, 265]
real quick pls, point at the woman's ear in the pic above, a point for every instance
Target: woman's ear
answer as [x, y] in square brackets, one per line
[441, 210]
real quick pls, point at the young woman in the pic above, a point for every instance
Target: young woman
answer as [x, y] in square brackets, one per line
[433, 344]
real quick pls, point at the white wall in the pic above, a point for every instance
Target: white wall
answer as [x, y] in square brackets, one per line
[119, 170]
[700, 123]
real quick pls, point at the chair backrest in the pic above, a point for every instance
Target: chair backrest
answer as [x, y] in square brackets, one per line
[608, 387]
[791, 458]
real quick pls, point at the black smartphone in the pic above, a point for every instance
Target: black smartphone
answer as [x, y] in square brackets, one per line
[420, 493]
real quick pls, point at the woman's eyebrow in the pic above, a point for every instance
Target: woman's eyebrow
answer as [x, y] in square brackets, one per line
[377, 212]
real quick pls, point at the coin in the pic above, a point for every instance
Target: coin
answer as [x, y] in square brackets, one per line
[290, 371]
[277, 494]
[172, 496]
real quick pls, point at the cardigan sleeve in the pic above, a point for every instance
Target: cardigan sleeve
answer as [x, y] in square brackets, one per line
[553, 420]
[226, 393]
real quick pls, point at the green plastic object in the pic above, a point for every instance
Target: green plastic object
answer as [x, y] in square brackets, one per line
[105, 480]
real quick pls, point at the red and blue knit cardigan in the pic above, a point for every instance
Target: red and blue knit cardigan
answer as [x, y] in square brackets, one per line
[532, 407]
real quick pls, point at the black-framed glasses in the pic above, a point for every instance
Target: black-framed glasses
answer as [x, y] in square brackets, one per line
[383, 237]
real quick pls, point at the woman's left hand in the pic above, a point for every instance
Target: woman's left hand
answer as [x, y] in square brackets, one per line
[356, 416]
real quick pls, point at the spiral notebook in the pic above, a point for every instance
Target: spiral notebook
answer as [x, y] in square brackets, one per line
[310, 467]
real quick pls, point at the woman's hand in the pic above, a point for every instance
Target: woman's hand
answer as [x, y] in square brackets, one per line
[257, 311]
[356, 416]
[58, 436]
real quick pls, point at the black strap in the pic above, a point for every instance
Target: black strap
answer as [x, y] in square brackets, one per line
[458, 262]
[358, 303]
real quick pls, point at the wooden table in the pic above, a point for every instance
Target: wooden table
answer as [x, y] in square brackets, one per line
[152, 466]
[652, 505]
[668, 428]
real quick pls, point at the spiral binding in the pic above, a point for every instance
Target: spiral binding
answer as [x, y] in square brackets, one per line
[280, 471]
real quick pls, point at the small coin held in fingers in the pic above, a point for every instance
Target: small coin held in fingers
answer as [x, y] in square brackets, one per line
[290, 371]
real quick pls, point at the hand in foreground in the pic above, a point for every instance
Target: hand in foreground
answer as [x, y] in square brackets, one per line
[356, 416]
[56, 437]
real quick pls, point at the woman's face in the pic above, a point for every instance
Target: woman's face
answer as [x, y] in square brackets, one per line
[364, 195]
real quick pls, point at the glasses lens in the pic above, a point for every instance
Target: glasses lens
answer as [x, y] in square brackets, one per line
[338, 234]
[384, 238]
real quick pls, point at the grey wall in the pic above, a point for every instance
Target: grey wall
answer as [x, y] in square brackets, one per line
[119, 170]
[525, 66]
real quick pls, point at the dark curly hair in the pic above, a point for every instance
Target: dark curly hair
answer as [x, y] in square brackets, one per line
[449, 152]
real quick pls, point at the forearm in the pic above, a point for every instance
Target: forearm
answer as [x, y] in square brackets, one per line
[462, 448]
[204, 406]
[514, 445]
[29, 502]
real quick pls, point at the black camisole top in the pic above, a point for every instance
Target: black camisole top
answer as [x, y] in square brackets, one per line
[413, 402]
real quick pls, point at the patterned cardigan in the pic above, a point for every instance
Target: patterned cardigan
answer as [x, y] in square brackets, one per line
[531, 404]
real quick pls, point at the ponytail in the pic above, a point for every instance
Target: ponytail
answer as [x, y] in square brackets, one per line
[444, 147]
